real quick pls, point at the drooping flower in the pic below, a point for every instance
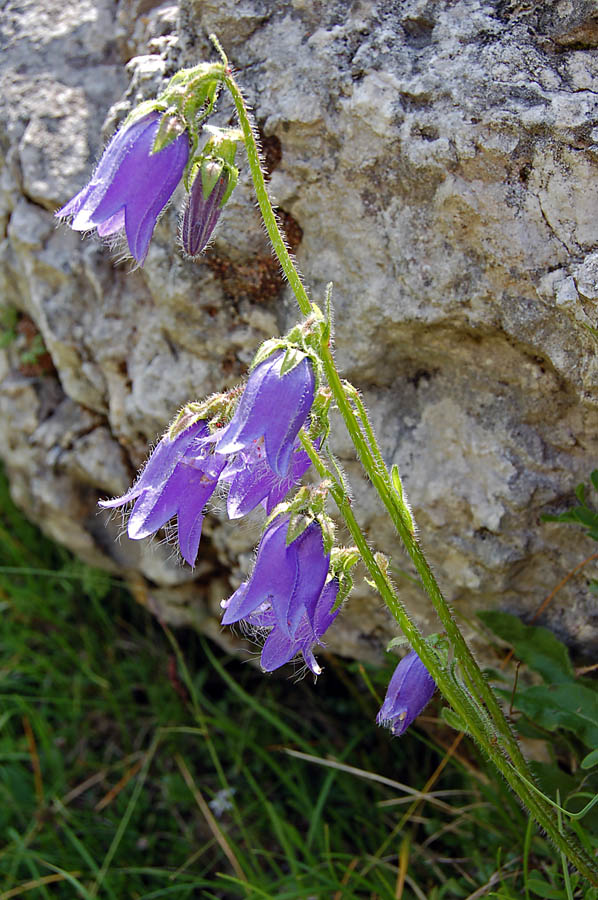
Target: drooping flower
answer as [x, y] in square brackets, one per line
[179, 479]
[289, 578]
[130, 185]
[273, 406]
[201, 213]
[252, 481]
[280, 649]
[409, 692]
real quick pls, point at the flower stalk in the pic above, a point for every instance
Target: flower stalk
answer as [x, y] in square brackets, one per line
[476, 705]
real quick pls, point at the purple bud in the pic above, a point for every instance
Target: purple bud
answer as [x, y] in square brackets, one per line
[179, 479]
[201, 214]
[273, 406]
[130, 185]
[409, 692]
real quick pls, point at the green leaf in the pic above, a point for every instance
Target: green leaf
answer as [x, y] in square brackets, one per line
[571, 706]
[594, 479]
[590, 760]
[396, 480]
[451, 718]
[542, 888]
[536, 646]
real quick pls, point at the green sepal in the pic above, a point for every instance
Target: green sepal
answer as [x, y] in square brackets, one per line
[210, 409]
[318, 494]
[440, 645]
[291, 359]
[344, 558]
[327, 526]
[295, 336]
[451, 718]
[382, 561]
[396, 481]
[297, 525]
[399, 641]
[267, 349]
[345, 586]
[209, 172]
[144, 109]
[171, 127]
[217, 157]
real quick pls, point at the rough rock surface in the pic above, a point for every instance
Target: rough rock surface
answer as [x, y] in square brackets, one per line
[438, 161]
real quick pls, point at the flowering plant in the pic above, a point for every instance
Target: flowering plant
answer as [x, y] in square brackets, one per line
[260, 441]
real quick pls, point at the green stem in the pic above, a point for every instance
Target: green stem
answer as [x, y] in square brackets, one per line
[449, 689]
[373, 463]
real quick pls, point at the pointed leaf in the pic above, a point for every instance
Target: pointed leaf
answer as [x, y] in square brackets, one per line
[542, 888]
[580, 493]
[571, 706]
[396, 480]
[451, 718]
[590, 760]
[536, 646]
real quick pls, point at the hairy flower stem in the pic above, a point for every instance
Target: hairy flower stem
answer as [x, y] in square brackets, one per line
[456, 696]
[481, 708]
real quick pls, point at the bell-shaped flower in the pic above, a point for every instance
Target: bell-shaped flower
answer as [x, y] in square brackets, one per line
[280, 649]
[409, 692]
[252, 481]
[272, 406]
[289, 578]
[179, 479]
[130, 185]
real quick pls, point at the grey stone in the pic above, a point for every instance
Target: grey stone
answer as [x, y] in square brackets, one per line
[437, 161]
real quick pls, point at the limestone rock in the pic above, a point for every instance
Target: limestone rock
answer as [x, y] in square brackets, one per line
[438, 161]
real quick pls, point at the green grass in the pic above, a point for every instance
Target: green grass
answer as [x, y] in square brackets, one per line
[116, 736]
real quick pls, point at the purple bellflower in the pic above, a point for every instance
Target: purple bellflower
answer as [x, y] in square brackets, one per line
[252, 481]
[273, 406]
[280, 649]
[130, 186]
[179, 479]
[201, 214]
[409, 692]
[289, 578]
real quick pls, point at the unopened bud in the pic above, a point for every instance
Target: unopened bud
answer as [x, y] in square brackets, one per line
[201, 213]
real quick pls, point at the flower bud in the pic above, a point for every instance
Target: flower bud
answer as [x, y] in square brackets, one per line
[203, 207]
[409, 692]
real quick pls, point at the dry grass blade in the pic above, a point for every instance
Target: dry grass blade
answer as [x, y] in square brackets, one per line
[35, 764]
[212, 823]
[118, 787]
[34, 884]
[346, 878]
[403, 866]
[369, 776]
